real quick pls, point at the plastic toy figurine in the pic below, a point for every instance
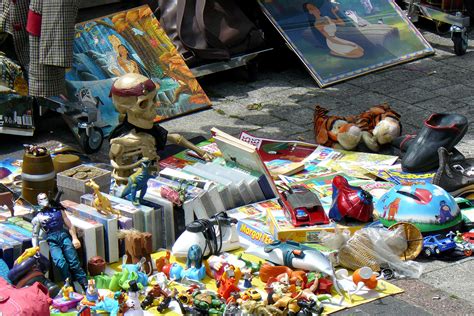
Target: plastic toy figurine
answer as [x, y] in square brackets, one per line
[67, 298]
[195, 270]
[108, 304]
[294, 255]
[251, 294]
[28, 253]
[302, 207]
[130, 272]
[350, 201]
[207, 303]
[248, 279]
[137, 137]
[435, 244]
[254, 267]
[101, 203]
[138, 182]
[66, 290]
[133, 302]
[227, 284]
[156, 297]
[50, 220]
[92, 295]
[214, 235]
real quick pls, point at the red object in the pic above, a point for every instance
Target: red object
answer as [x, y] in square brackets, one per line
[227, 287]
[140, 89]
[469, 237]
[303, 208]
[29, 301]
[33, 26]
[324, 286]
[350, 201]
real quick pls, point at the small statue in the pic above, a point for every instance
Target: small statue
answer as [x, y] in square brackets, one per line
[35, 150]
[137, 137]
[133, 302]
[101, 203]
[138, 182]
[50, 222]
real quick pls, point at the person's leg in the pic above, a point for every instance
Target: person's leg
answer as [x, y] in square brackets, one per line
[70, 254]
[54, 242]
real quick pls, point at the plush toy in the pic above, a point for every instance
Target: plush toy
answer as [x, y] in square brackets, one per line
[377, 126]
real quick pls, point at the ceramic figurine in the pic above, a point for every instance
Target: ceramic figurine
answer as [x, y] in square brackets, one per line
[138, 137]
[50, 222]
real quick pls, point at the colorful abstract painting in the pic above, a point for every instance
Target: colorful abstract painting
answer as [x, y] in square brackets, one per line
[348, 38]
[124, 42]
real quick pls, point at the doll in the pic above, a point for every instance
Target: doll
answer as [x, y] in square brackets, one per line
[49, 223]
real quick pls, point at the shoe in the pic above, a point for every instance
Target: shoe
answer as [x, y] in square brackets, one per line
[440, 130]
[457, 179]
[404, 142]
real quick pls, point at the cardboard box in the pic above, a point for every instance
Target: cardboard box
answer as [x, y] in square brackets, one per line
[252, 222]
[280, 228]
[74, 187]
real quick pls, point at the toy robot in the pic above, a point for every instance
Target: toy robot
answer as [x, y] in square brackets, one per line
[49, 223]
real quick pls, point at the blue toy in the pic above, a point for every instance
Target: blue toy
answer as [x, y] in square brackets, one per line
[108, 304]
[195, 270]
[427, 206]
[138, 182]
[435, 244]
[135, 271]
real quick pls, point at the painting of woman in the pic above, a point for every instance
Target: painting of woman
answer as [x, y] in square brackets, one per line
[328, 27]
[121, 62]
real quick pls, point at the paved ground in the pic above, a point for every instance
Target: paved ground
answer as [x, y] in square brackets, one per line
[284, 97]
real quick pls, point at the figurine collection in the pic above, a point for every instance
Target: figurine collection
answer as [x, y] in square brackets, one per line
[356, 234]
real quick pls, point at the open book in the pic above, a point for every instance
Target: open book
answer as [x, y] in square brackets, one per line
[242, 155]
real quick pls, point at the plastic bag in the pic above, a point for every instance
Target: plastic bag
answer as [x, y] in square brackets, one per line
[375, 248]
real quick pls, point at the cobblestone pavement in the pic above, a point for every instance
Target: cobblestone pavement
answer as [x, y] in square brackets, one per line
[280, 105]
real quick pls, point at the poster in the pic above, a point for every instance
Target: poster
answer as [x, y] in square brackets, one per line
[348, 38]
[124, 42]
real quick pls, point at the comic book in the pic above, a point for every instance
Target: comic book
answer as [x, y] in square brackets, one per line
[349, 161]
[396, 175]
[281, 157]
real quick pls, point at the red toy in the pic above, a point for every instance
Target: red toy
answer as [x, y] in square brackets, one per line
[302, 207]
[350, 201]
[469, 237]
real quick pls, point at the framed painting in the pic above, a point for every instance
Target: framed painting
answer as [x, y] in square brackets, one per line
[338, 40]
[124, 42]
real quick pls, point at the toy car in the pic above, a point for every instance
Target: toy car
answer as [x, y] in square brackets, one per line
[303, 208]
[64, 305]
[251, 294]
[435, 244]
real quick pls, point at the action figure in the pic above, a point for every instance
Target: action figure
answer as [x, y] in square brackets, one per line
[50, 222]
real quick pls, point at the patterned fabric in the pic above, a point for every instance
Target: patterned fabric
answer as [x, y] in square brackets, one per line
[11, 75]
[47, 56]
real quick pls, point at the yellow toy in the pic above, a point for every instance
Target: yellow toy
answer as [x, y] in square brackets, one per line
[101, 203]
[30, 252]
[67, 290]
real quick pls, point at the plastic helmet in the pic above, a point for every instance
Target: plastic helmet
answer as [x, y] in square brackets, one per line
[427, 206]
[350, 201]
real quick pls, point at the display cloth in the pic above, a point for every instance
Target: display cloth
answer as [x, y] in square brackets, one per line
[385, 289]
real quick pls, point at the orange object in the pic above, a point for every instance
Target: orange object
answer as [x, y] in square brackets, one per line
[268, 270]
[366, 276]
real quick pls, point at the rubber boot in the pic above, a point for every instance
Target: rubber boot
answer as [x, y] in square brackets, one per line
[440, 130]
[404, 142]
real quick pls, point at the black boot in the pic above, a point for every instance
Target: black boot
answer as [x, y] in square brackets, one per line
[457, 179]
[440, 130]
[404, 142]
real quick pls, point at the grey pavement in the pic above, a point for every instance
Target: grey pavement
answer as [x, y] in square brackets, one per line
[280, 105]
